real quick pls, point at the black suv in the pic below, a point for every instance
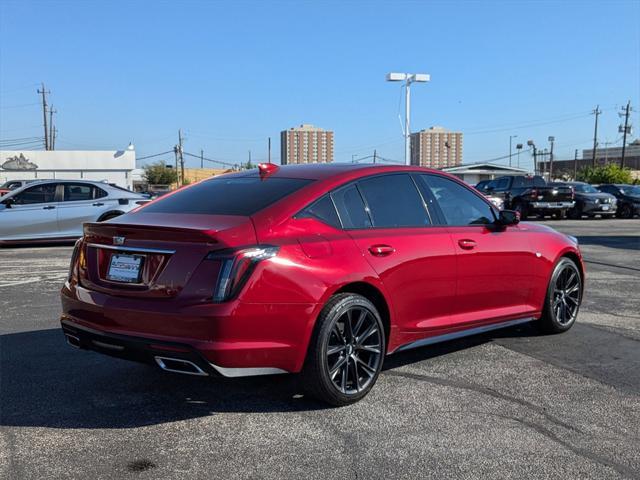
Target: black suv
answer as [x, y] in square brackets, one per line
[628, 197]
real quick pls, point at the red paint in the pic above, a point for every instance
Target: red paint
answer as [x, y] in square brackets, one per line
[434, 280]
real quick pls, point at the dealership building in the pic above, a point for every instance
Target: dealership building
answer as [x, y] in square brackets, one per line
[112, 166]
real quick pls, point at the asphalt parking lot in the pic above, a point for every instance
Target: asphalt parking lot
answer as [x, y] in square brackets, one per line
[510, 404]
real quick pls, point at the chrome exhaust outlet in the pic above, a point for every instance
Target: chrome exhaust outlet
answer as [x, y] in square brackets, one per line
[72, 340]
[178, 365]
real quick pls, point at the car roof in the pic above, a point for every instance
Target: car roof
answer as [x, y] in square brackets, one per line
[321, 171]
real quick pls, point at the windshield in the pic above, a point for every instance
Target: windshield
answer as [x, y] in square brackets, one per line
[631, 190]
[585, 188]
[228, 196]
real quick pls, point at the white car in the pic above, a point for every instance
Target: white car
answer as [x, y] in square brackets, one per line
[56, 209]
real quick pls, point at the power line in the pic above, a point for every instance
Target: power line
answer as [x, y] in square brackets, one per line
[154, 155]
[232, 165]
[3, 107]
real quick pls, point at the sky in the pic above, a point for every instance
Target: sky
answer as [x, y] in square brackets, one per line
[230, 74]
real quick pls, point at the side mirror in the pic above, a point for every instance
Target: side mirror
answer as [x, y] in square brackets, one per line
[508, 217]
[8, 202]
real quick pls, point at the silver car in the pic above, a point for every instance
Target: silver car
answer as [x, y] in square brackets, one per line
[56, 209]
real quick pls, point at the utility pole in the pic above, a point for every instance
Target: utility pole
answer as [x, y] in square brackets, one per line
[353, 158]
[627, 129]
[575, 164]
[51, 112]
[511, 137]
[44, 92]
[531, 143]
[551, 141]
[269, 150]
[180, 150]
[375, 154]
[596, 112]
[249, 165]
[201, 158]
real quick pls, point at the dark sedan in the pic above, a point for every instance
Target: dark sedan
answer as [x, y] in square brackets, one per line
[590, 201]
[628, 197]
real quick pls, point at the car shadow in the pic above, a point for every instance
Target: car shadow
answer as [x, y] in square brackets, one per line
[46, 383]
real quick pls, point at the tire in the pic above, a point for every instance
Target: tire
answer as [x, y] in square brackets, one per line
[625, 211]
[521, 209]
[558, 215]
[341, 367]
[574, 213]
[563, 299]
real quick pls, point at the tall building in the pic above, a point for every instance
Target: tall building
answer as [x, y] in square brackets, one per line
[306, 144]
[436, 148]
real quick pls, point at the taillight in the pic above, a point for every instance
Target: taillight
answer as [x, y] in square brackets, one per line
[236, 268]
[74, 258]
[573, 193]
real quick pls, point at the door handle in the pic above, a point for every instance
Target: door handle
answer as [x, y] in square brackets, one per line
[97, 204]
[49, 207]
[467, 244]
[381, 250]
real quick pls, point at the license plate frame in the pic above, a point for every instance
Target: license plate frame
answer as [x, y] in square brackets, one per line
[128, 268]
[605, 208]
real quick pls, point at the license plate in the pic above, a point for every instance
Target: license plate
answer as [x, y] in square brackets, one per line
[605, 207]
[125, 268]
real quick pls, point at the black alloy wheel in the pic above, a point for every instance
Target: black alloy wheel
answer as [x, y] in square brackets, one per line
[346, 350]
[564, 296]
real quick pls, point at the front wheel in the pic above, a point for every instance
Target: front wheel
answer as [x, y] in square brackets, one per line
[625, 211]
[346, 351]
[564, 295]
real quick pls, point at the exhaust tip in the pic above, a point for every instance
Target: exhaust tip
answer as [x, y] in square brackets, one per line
[178, 365]
[72, 340]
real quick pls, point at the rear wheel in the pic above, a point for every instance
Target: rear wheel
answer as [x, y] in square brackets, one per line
[574, 213]
[564, 295]
[346, 351]
[559, 215]
[521, 209]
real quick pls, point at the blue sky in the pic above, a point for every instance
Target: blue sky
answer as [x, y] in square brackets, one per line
[231, 74]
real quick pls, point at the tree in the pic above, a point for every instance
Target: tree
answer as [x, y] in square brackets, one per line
[611, 173]
[160, 174]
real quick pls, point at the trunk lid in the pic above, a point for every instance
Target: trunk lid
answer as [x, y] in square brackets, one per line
[152, 255]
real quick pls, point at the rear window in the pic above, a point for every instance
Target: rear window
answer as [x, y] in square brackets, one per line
[228, 196]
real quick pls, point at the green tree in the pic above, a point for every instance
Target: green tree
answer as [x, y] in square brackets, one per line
[159, 173]
[610, 173]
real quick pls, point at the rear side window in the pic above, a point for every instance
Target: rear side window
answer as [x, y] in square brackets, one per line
[458, 204]
[393, 201]
[76, 193]
[241, 196]
[323, 210]
[351, 208]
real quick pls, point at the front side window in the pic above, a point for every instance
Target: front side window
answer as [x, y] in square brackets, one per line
[77, 192]
[227, 196]
[38, 194]
[351, 208]
[393, 201]
[458, 204]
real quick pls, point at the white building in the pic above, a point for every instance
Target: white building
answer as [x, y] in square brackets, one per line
[113, 166]
[476, 172]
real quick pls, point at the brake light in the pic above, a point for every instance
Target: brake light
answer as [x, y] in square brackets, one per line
[74, 258]
[236, 268]
[266, 169]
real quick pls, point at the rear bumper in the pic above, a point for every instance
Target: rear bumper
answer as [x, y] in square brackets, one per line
[232, 339]
[552, 205]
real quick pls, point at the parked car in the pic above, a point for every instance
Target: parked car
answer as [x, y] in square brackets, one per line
[317, 269]
[628, 197]
[589, 201]
[6, 187]
[56, 209]
[530, 195]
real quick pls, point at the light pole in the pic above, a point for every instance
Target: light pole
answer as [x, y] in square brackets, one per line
[511, 137]
[518, 148]
[531, 144]
[551, 141]
[408, 79]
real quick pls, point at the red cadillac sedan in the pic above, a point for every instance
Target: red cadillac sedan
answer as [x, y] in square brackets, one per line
[321, 270]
